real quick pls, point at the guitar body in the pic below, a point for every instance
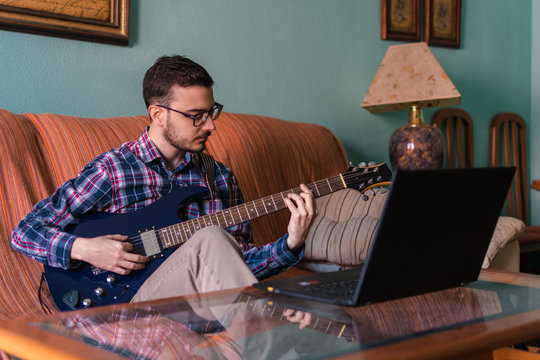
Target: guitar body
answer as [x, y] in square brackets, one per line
[70, 287]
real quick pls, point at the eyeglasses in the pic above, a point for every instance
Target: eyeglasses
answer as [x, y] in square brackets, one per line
[200, 118]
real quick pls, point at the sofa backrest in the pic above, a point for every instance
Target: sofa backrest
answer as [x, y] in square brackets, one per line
[41, 151]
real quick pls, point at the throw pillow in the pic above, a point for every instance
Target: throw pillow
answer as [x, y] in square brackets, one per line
[342, 231]
[507, 229]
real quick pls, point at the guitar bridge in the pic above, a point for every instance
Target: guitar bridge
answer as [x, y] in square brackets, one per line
[150, 243]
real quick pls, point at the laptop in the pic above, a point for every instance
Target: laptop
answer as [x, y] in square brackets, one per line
[433, 234]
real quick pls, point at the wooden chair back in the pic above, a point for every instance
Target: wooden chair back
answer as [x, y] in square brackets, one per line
[509, 148]
[458, 131]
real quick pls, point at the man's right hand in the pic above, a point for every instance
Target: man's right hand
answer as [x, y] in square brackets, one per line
[108, 252]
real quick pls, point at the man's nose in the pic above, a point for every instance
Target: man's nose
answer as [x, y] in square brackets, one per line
[208, 125]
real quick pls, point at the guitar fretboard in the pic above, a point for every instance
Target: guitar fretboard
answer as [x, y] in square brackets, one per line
[268, 309]
[177, 234]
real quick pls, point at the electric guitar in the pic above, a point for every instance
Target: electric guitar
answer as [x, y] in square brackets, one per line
[155, 231]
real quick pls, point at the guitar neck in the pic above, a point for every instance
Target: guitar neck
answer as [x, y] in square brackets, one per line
[268, 309]
[359, 179]
[177, 234]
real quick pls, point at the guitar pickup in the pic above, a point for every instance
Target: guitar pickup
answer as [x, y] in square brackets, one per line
[151, 244]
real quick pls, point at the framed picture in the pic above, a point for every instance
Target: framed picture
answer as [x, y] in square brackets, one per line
[442, 22]
[97, 20]
[400, 20]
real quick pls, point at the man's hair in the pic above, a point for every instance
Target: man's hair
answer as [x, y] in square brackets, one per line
[168, 71]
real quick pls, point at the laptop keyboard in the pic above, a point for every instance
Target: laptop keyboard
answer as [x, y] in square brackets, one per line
[344, 288]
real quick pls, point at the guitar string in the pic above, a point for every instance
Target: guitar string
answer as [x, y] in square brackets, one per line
[325, 184]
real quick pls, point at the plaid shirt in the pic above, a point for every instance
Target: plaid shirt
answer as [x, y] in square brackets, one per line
[124, 180]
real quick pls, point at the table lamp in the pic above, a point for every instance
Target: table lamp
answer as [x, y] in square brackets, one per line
[410, 78]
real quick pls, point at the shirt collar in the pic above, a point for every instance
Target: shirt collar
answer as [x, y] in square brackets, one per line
[148, 152]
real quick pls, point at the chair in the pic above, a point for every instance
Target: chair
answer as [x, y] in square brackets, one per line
[509, 148]
[457, 128]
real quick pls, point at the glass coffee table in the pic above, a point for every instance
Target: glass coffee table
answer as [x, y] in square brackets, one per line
[497, 310]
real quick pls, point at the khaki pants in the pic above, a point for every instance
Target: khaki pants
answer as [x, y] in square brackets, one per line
[210, 260]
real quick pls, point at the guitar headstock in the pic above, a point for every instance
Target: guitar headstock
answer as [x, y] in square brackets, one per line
[364, 178]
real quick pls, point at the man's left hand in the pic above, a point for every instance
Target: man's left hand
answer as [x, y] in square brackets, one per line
[303, 210]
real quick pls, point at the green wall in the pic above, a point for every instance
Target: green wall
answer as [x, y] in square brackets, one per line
[534, 134]
[300, 60]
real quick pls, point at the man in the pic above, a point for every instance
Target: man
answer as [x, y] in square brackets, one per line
[179, 97]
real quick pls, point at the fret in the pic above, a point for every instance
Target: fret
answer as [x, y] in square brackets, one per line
[216, 216]
[328, 327]
[317, 188]
[198, 221]
[342, 330]
[186, 233]
[239, 214]
[247, 211]
[265, 209]
[171, 235]
[208, 220]
[191, 227]
[177, 235]
[224, 219]
[231, 222]
[274, 202]
[329, 186]
[163, 235]
[246, 303]
[168, 237]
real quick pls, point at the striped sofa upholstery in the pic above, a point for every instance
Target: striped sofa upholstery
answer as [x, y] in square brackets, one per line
[40, 151]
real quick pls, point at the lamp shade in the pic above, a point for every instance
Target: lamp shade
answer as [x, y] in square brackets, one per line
[410, 78]
[410, 74]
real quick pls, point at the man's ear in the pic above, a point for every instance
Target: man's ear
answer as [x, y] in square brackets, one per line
[157, 115]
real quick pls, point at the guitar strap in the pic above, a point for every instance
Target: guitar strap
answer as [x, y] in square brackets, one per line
[206, 165]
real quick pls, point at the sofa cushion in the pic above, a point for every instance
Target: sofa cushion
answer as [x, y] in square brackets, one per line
[507, 229]
[342, 231]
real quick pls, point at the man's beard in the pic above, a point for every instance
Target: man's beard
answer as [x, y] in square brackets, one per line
[179, 142]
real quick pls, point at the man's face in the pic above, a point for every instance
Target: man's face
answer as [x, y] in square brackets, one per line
[179, 130]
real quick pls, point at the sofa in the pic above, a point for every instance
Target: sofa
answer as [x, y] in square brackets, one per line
[40, 151]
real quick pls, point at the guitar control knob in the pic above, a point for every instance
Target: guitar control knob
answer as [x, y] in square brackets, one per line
[111, 279]
[87, 303]
[99, 291]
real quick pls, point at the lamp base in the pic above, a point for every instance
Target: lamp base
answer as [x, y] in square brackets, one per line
[416, 146]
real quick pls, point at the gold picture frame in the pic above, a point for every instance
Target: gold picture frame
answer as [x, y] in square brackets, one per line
[103, 21]
[442, 23]
[400, 20]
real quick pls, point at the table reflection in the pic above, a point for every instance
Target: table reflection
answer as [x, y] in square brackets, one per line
[251, 325]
